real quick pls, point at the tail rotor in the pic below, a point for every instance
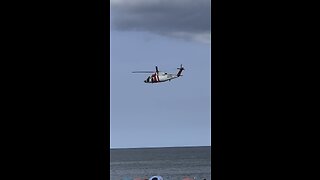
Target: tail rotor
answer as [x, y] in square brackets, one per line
[180, 70]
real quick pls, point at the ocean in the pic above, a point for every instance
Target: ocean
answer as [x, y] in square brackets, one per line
[172, 163]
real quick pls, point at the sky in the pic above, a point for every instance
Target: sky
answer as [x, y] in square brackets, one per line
[163, 33]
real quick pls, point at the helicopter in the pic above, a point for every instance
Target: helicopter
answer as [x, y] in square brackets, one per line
[159, 76]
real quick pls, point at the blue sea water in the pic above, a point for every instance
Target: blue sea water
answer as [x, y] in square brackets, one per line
[172, 163]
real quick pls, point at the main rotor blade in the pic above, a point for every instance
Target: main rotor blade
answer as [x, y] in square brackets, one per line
[143, 72]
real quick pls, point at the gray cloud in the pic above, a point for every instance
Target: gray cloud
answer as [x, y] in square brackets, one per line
[187, 19]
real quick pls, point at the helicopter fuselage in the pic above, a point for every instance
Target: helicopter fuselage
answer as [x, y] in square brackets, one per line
[160, 77]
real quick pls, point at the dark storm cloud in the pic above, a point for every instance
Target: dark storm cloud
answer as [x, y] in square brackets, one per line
[189, 19]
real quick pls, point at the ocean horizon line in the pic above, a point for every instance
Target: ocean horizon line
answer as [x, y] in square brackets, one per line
[158, 147]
